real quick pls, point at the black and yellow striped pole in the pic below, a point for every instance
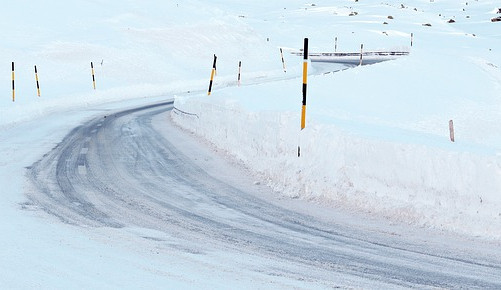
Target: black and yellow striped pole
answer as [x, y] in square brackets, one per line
[36, 78]
[361, 52]
[239, 71]
[305, 81]
[212, 74]
[215, 68]
[13, 86]
[283, 62]
[93, 77]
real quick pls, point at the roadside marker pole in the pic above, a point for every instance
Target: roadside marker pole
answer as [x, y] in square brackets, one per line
[451, 130]
[335, 44]
[361, 51]
[412, 38]
[212, 74]
[13, 87]
[305, 81]
[93, 78]
[239, 71]
[215, 69]
[36, 78]
[283, 62]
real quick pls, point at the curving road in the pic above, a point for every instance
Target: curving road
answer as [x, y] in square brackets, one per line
[122, 171]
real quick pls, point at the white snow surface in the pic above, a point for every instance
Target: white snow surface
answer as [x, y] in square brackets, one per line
[376, 137]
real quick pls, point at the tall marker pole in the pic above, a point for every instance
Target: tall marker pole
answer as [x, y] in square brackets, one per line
[412, 38]
[305, 81]
[335, 44]
[13, 87]
[239, 70]
[283, 62]
[212, 74]
[93, 77]
[36, 78]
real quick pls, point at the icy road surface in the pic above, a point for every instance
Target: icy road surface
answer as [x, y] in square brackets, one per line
[133, 169]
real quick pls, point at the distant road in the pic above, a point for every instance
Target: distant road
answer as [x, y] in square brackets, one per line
[354, 58]
[122, 171]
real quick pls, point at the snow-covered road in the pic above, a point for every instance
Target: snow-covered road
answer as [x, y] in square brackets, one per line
[133, 169]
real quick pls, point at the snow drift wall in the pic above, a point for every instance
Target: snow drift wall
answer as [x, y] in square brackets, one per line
[416, 184]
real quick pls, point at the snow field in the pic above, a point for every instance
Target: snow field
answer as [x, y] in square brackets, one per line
[377, 138]
[137, 51]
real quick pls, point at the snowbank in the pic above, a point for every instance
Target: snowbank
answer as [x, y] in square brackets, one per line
[418, 184]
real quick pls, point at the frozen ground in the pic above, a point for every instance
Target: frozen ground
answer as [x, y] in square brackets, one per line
[376, 154]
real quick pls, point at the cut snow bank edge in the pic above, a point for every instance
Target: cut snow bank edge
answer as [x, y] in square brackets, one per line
[416, 184]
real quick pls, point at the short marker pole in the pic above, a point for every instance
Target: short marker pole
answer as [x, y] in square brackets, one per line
[412, 38]
[212, 75]
[13, 86]
[93, 77]
[361, 51]
[283, 62]
[305, 81]
[36, 78]
[239, 71]
[335, 44]
[451, 130]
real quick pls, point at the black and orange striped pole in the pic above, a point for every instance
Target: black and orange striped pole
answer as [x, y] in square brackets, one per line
[212, 75]
[93, 77]
[36, 78]
[13, 86]
[239, 71]
[283, 62]
[305, 81]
